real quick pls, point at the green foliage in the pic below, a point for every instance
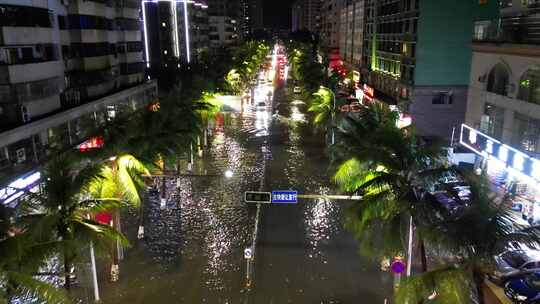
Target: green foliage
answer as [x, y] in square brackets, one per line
[442, 286]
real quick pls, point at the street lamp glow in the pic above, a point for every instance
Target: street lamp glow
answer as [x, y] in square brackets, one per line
[229, 173]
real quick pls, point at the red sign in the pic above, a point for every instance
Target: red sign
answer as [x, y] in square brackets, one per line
[154, 107]
[398, 266]
[104, 218]
[95, 142]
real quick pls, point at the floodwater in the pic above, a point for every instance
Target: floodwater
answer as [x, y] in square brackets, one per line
[193, 249]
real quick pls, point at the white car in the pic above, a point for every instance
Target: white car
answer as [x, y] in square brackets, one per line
[297, 90]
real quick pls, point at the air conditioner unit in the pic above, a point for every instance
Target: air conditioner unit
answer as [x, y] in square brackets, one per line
[24, 114]
[21, 155]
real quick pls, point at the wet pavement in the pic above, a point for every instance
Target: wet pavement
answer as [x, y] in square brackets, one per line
[193, 250]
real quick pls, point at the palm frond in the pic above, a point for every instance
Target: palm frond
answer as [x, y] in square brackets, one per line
[26, 285]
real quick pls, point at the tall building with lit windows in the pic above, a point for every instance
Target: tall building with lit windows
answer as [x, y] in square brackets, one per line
[306, 15]
[174, 31]
[251, 16]
[331, 23]
[66, 68]
[502, 125]
[224, 22]
[417, 54]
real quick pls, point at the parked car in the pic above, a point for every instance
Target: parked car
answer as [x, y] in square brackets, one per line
[524, 289]
[513, 263]
[297, 90]
[453, 204]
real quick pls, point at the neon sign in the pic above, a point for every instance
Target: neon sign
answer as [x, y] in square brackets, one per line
[513, 160]
[95, 142]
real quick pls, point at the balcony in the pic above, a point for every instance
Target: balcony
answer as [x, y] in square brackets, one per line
[512, 30]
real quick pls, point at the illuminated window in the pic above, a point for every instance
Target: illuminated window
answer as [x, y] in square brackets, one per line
[529, 86]
[526, 133]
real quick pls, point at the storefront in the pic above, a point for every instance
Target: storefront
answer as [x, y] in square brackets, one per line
[514, 175]
[10, 194]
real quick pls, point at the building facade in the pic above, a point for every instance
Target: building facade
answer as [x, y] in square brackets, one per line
[66, 67]
[407, 62]
[306, 15]
[331, 24]
[223, 20]
[250, 17]
[223, 30]
[351, 32]
[503, 111]
[174, 31]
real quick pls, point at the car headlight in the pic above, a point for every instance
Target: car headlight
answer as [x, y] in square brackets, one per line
[521, 298]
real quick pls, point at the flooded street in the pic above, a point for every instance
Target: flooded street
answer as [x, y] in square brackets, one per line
[193, 250]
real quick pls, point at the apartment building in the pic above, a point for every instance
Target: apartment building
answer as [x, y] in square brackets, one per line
[417, 54]
[223, 30]
[330, 23]
[503, 110]
[174, 31]
[224, 25]
[66, 67]
[351, 33]
[306, 15]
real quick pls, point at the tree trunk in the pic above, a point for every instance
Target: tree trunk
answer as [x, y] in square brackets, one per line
[423, 256]
[66, 271]
[479, 282]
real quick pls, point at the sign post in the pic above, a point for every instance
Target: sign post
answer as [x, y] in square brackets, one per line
[398, 267]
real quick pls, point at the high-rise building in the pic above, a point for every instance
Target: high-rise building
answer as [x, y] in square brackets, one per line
[306, 15]
[503, 108]
[351, 33]
[330, 23]
[223, 31]
[174, 31]
[417, 54]
[251, 16]
[66, 67]
[224, 25]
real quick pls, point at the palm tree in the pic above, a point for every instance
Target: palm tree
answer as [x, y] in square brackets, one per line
[323, 106]
[474, 237]
[392, 170]
[20, 259]
[61, 213]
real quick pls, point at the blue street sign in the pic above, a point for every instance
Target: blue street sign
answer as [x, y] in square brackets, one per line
[284, 197]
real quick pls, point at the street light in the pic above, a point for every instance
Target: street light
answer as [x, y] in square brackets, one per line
[229, 173]
[333, 110]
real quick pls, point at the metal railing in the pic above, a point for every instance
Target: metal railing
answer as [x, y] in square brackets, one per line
[518, 30]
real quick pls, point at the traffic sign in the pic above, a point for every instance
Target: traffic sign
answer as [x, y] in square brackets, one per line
[248, 253]
[257, 197]
[284, 197]
[398, 266]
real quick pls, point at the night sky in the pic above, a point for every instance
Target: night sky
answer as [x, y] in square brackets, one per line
[277, 13]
